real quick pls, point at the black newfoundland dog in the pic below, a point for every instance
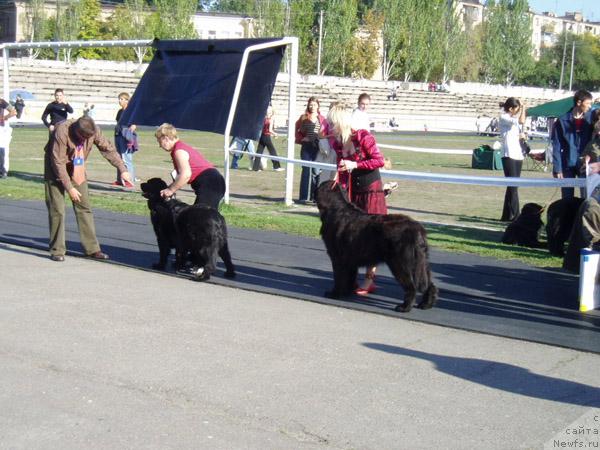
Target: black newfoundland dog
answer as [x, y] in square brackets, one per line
[560, 219]
[198, 233]
[524, 230]
[355, 239]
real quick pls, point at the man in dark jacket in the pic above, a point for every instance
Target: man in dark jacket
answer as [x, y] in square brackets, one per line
[572, 132]
[57, 110]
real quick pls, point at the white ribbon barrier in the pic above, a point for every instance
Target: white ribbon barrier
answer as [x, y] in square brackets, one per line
[443, 178]
[448, 151]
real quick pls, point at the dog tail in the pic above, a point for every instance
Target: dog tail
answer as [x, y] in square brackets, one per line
[421, 273]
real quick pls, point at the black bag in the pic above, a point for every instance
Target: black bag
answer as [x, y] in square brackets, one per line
[525, 148]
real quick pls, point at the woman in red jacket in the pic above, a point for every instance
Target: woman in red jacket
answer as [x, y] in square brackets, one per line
[359, 161]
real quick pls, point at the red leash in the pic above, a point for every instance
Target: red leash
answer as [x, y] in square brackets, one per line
[336, 180]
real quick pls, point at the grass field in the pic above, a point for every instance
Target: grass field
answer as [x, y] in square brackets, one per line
[460, 218]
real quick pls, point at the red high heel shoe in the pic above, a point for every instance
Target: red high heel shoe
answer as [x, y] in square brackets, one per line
[364, 292]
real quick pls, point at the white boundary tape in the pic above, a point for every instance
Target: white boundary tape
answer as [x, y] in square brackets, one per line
[448, 151]
[445, 178]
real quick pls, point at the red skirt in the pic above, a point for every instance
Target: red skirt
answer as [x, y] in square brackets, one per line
[372, 199]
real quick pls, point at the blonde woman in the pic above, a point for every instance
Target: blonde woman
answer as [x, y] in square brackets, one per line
[192, 168]
[359, 161]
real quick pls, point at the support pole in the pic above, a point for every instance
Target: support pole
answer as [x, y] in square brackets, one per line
[289, 169]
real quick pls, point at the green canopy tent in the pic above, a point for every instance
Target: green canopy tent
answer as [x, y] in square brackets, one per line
[554, 108]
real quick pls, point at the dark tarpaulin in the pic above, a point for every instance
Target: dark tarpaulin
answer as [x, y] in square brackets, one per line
[190, 84]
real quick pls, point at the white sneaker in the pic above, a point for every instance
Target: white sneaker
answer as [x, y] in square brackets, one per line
[279, 169]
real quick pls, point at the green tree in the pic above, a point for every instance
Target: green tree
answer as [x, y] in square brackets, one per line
[34, 23]
[469, 65]
[67, 25]
[172, 19]
[89, 27]
[339, 24]
[363, 57]
[392, 34]
[303, 24]
[130, 21]
[507, 43]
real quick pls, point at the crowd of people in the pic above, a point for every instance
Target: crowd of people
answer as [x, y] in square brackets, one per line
[344, 131]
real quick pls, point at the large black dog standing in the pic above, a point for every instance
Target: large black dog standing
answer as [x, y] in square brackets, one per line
[355, 239]
[197, 232]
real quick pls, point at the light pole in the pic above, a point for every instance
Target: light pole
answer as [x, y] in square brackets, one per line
[320, 43]
[572, 66]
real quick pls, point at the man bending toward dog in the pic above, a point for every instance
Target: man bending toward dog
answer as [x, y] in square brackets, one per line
[64, 171]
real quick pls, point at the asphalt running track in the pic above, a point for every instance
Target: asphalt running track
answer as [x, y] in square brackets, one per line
[505, 298]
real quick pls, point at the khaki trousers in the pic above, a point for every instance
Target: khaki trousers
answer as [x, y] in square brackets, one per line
[55, 202]
[585, 233]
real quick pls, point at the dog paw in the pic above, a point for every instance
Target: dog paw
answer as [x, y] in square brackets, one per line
[230, 274]
[199, 274]
[404, 308]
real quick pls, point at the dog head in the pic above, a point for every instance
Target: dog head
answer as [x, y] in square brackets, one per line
[530, 216]
[330, 195]
[151, 188]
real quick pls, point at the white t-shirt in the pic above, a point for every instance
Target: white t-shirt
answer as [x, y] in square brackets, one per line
[360, 120]
[509, 135]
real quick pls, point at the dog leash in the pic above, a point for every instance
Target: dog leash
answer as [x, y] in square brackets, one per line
[336, 180]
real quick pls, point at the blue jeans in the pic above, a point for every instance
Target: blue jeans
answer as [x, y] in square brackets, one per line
[571, 172]
[127, 158]
[241, 145]
[309, 177]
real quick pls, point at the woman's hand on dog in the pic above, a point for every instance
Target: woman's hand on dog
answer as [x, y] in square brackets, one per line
[167, 193]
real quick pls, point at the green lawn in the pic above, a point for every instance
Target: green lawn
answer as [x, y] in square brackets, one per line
[459, 218]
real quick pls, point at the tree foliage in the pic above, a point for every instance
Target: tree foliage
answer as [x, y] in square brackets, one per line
[507, 43]
[89, 27]
[130, 21]
[172, 19]
[420, 40]
[34, 23]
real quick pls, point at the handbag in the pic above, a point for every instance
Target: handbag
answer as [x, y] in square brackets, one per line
[525, 148]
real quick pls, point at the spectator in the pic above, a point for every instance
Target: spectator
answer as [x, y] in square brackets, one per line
[5, 135]
[89, 111]
[359, 161]
[586, 229]
[126, 141]
[265, 141]
[57, 110]
[510, 122]
[242, 145]
[591, 153]
[19, 105]
[307, 129]
[393, 95]
[570, 135]
[393, 123]
[64, 171]
[191, 168]
[360, 117]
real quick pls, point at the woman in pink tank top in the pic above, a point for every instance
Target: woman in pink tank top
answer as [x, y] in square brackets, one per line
[191, 168]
